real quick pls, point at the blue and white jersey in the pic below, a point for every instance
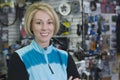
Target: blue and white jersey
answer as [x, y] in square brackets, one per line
[44, 64]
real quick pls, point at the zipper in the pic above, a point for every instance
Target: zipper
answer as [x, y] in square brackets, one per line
[48, 62]
[50, 69]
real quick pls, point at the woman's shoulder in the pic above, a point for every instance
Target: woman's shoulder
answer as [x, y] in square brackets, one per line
[23, 49]
[61, 51]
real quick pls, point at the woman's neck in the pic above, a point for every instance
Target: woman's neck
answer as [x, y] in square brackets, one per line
[43, 44]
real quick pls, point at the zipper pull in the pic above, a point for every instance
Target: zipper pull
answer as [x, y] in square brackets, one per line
[50, 69]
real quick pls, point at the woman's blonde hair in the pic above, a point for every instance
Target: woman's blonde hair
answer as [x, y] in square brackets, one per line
[32, 9]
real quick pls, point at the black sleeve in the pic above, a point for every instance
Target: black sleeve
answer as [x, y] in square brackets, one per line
[71, 68]
[16, 69]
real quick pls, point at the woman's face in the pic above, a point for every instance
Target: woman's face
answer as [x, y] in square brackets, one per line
[42, 27]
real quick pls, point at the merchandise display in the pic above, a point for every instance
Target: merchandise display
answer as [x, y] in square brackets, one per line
[89, 31]
[64, 9]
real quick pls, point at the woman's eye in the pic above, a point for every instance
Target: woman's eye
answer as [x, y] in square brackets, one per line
[50, 22]
[38, 22]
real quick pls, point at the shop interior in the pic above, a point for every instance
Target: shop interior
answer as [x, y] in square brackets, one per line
[89, 31]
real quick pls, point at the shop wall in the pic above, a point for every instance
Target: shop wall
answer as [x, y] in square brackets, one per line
[73, 18]
[13, 30]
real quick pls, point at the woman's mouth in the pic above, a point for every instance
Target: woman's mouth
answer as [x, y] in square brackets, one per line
[44, 34]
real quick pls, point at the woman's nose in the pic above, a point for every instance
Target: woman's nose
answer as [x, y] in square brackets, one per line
[44, 26]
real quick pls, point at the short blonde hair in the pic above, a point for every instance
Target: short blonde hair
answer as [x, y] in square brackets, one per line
[32, 9]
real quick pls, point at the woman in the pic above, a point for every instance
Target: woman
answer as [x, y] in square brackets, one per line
[41, 60]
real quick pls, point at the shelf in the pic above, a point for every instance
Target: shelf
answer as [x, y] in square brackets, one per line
[68, 36]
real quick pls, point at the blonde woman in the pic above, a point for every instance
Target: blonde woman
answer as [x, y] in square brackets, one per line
[40, 60]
